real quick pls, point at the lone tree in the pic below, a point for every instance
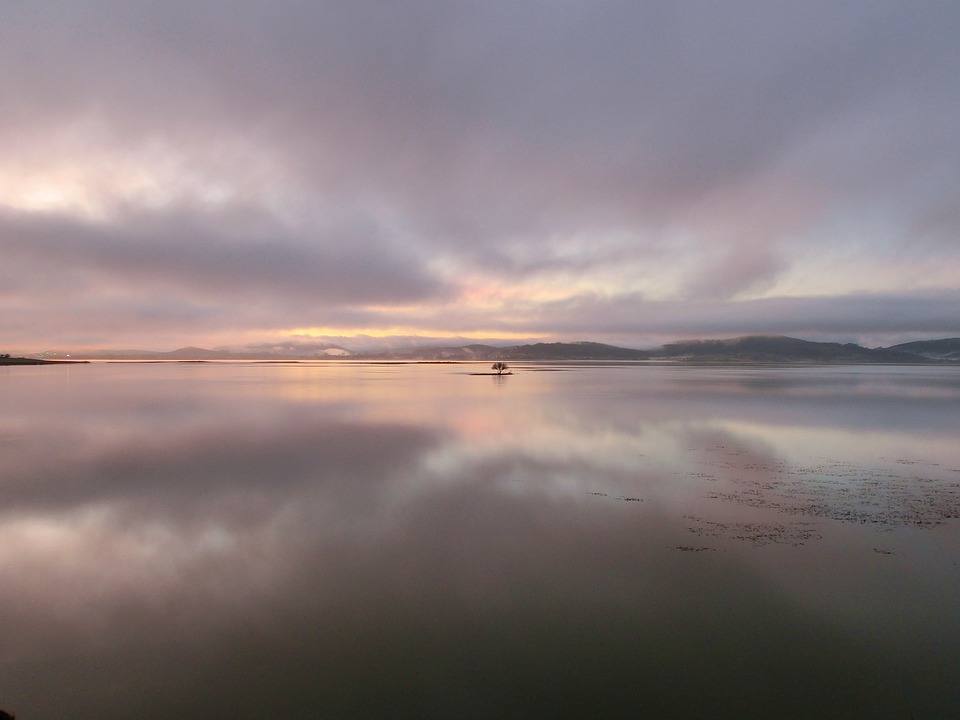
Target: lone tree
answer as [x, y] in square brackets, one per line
[500, 367]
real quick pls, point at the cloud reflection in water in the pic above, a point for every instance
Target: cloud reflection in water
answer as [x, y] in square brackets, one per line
[214, 541]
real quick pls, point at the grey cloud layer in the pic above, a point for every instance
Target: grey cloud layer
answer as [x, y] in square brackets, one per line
[482, 134]
[232, 255]
[845, 316]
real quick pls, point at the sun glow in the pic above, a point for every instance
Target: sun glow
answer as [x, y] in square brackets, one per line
[51, 193]
[403, 331]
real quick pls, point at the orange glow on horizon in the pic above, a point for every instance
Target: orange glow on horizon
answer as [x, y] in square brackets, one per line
[402, 331]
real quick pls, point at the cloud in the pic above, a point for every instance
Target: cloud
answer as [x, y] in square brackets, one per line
[237, 253]
[850, 316]
[350, 154]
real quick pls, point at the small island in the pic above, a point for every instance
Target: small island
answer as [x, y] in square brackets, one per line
[499, 370]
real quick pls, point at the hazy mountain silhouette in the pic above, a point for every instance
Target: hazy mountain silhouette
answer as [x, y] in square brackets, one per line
[750, 348]
[765, 348]
[535, 351]
[946, 349]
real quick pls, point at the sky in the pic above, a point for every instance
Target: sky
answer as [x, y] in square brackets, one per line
[221, 173]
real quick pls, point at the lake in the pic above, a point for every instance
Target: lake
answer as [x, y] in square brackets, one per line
[409, 541]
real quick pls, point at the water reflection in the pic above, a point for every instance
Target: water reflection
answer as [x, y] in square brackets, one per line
[249, 541]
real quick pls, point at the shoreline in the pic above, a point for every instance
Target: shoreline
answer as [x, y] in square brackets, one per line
[10, 361]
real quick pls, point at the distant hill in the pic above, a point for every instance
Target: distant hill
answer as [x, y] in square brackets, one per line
[751, 348]
[574, 351]
[535, 351]
[263, 352]
[451, 353]
[946, 349]
[778, 348]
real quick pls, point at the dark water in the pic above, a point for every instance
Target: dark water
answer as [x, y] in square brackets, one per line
[241, 541]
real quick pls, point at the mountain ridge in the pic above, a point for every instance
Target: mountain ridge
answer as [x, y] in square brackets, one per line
[781, 348]
[943, 349]
[747, 348]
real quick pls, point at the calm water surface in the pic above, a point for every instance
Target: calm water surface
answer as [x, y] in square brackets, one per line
[333, 541]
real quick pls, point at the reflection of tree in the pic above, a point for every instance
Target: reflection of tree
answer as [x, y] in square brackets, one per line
[500, 367]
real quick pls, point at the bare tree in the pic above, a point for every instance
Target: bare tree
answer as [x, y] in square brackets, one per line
[500, 367]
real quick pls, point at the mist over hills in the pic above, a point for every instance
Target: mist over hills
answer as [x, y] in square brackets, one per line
[536, 351]
[752, 348]
[946, 349]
